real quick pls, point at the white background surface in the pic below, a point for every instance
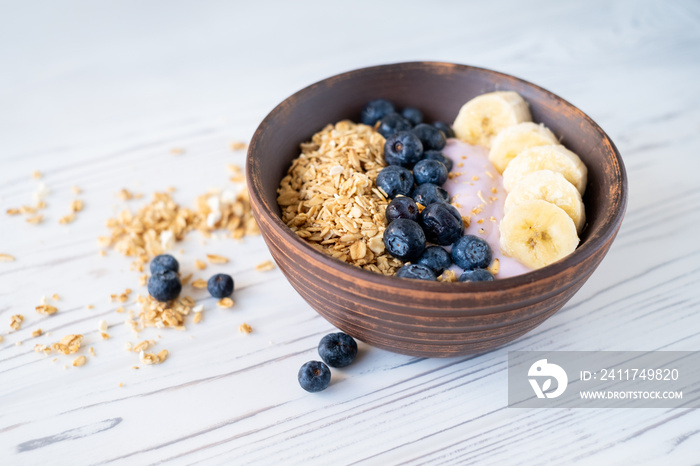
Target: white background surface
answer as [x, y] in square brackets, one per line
[96, 94]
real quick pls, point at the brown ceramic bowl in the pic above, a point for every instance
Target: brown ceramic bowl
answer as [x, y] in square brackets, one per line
[430, 318]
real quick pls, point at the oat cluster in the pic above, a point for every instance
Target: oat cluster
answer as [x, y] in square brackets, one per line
[155, 228]
[329, 196]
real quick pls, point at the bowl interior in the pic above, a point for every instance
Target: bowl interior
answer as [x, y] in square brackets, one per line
[438, 90]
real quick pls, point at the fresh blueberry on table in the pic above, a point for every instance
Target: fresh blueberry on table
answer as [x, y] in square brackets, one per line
[404, 239]
[403, 148]
[471, 252]
[430, 171]
[436, 259]
[392, 124]
[395, 180]
[476, 275]
[437, 155]
[431, 137]
[442, 223]
[164, 262]
[337, 349]
[413, 115]
[220, 285]
[428, 193]
[164, 286]
[401, 207]
[417, 272]
[376, 110]
[314, 376]
[445, 128]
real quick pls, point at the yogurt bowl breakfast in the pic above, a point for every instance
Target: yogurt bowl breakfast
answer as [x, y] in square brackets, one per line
[348, 277]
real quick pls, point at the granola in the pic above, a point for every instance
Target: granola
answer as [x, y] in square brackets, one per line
[329, 197]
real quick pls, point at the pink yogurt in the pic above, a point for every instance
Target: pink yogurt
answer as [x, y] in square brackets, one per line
[476, 189]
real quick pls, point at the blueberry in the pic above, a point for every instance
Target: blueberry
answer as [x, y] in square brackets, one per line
[376, 110]
[395, 180]
[403, 148]
[471, 252]
[314, 376]
[337, 349]
[417, 272]
[401, 207]
[404, 239]
[436, 259]
[164, 262]
[431, 137]
[413, 115]
[445, 128]
[430, 171]
[164, 286]
[442, 223]
[220, 285]
[437, 155]
[429, 193]
[476, 275]
[393, 123]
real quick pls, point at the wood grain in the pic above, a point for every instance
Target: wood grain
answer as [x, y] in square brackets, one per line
[98, 96]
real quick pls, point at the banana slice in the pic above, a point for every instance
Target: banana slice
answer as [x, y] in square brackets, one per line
[480, 119]
[512, 140]
[551, 187]
[555, 157]
[537, 233]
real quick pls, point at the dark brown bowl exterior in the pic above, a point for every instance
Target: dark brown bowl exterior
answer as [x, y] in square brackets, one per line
[430, 318]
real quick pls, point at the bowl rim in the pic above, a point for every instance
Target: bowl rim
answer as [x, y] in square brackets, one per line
[608, 229]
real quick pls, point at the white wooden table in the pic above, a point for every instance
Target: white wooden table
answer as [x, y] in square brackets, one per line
[97, 94]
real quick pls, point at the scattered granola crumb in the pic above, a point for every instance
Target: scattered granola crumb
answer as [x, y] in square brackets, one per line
[126, 195]
[244, 328]
[151, 358]
[104, 336]
[495, 266]
[16, 321]
[269, 265]
[19, 343]
[35, 219]
[76, 190]
[55, 297]
[143, 346]
[36, 174]
[238, 145]
[68, 344]
[143, 280]
[197, 317]
[199, 283]
[121, 385]
[217, 259]
[66, 219]
[39, 348]
[135, 367]
[186, 279]
[225, 303]
[177, 151]
[102, 253]
[37, 333]
[1, 338]
[92, 351]
[102, 326]
[6, 258]
[79, 361]
[448, 276]
[76, 205]
[89, 306]
[200, 265]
